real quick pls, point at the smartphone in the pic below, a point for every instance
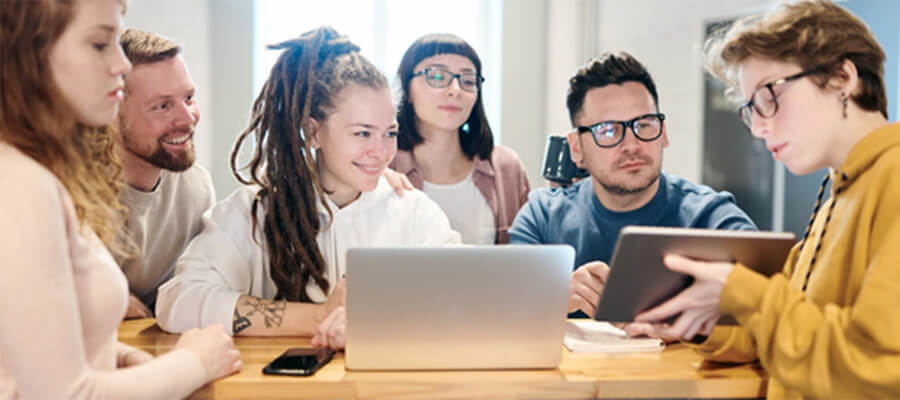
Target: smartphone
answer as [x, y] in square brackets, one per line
[299, 362]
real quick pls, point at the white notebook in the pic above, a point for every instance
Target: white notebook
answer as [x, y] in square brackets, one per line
[589, 336]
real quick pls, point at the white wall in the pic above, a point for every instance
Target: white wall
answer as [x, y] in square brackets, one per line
[666, 37]
[523, 81]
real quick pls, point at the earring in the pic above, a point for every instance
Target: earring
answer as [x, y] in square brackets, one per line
[844, 99]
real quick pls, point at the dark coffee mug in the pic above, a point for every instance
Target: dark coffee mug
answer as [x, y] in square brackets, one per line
[558, 165]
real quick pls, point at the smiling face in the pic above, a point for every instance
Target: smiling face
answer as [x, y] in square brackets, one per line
[803, 129]
[442, 109]
[159, 114]
[356, 142]
[632, 166]
[87, 63]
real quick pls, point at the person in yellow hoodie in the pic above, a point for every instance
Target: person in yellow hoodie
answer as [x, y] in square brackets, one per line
[811, 78]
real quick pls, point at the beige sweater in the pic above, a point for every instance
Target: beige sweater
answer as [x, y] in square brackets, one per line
[62, 297]
[162, 223]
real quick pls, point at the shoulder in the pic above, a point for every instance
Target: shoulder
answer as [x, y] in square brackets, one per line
[384, 193]
[506, 160]
[21, 174]
[558, 199]
[687, 191]
[403, 162]
[238, 203]
[884, 172]
[242, 196]
[503, 154]
[195, 180]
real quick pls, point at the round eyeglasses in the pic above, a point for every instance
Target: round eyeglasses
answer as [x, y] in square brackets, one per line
[764, 101]
[440, 78]
[607, 134]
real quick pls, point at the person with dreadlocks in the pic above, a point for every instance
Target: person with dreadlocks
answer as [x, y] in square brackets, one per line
[270, 258]
[811, 78]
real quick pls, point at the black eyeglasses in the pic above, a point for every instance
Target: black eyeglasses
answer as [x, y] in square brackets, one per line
[764, 101]
[646, 128]
[440, 78]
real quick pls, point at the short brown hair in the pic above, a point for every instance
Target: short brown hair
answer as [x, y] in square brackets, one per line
[607, 69]
[812, 34]
[143, 47]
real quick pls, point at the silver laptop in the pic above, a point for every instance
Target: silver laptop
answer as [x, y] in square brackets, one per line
[467, 307]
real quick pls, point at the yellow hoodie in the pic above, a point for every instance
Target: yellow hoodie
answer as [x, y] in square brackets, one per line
[840, 337]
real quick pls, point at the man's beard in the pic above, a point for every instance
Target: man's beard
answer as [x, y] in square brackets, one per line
[622, 190]
[160, 158]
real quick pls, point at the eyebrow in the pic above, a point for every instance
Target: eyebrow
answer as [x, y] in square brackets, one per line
[105, 27]
[370, 126]
[764, 81]
[153, 100]
[465, 69]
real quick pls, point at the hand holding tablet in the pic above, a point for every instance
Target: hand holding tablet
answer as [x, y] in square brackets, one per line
[638, 280]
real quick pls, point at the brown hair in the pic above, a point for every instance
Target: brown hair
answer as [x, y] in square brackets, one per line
[143, 47]
[38, 122]
[813, 34]
[607, 69]
[305, 83]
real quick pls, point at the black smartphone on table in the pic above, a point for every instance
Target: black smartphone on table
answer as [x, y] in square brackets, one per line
[299, 362]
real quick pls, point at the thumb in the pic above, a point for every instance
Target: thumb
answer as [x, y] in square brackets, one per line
[680, 264]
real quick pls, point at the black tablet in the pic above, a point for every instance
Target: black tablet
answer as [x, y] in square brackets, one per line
[638, 280]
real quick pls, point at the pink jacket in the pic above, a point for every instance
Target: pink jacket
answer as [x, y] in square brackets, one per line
[502, 181]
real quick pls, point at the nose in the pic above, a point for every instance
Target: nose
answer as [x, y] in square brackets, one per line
[760, 127]
[119, 65]
[380, 147]
[630, 142]
[454, 88]
[186, 114]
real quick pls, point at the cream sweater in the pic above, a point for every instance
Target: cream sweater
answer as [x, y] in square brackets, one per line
[62, 297]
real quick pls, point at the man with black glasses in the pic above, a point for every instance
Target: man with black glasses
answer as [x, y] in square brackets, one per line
[618, 136]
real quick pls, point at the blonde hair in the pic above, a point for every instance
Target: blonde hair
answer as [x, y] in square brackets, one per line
[143, 47]
[812, 34]
[36, 120]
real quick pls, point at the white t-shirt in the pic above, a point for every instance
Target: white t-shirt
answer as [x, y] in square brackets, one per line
[468, 210]
[225, 261]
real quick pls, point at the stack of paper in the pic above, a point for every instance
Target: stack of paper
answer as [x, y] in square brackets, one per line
[589, 336]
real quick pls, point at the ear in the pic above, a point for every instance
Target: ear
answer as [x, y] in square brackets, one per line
[575, 148]
[312, 130]
[665, 135]
[845, 78]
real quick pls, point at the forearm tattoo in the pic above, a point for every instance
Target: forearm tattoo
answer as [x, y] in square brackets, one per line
[272, 312]
[239, 323]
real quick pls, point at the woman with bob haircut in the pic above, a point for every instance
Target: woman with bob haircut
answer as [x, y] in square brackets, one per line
[810, 76]
[446, 145]
[63, 295]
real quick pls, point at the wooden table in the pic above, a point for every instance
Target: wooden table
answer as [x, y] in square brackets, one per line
[676, 372]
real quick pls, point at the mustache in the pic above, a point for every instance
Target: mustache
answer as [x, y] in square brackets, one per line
[177, 132]
[637, 157]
